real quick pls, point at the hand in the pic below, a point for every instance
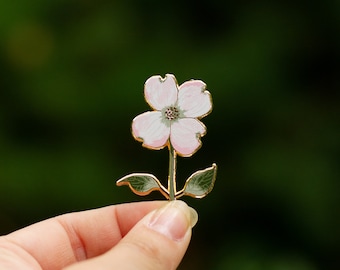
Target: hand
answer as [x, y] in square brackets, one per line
[142, 235]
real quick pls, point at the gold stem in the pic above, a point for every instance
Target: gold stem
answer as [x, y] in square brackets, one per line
[172, 173]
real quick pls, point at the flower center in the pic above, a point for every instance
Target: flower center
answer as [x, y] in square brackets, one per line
[171, 113]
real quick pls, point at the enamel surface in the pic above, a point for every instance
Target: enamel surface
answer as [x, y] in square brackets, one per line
[155, 128]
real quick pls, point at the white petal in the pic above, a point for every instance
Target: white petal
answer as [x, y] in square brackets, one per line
[148, 128]
[159, 92]
[185, 136]
[193, 99]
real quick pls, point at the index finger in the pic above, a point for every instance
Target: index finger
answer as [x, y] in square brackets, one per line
[66, 239]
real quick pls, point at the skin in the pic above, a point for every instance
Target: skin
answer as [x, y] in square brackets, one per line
[142, 235]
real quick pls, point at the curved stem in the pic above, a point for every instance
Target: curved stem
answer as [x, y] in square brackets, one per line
[172, 173]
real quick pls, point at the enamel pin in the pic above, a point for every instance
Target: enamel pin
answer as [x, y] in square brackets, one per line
[174, 123]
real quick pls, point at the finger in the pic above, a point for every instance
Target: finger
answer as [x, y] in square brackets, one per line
[63, 240]
[158, 241]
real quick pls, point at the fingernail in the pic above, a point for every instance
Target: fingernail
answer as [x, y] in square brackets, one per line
[174, 220]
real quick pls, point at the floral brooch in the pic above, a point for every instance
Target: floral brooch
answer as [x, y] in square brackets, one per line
[174, 123]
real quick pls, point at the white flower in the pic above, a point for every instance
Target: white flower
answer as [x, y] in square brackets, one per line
[175, 119]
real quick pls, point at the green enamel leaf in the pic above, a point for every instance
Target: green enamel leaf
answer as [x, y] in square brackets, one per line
[140, 183]
[200, 183]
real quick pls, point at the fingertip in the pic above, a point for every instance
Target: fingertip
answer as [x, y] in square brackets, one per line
[193, 216]
[173, 220]
[158, 241]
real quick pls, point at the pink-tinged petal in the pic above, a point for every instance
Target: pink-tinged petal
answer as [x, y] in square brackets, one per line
[159, 92]
[193, 99]
[148, 128]
[185, 136]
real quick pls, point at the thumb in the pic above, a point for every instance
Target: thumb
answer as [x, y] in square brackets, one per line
[158, 241]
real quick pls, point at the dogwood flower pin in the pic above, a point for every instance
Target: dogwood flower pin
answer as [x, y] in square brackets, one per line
[174, 123]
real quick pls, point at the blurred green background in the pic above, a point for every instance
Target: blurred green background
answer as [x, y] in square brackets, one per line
[72, 76]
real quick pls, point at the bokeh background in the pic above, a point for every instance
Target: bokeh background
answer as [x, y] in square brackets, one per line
[72, 76]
